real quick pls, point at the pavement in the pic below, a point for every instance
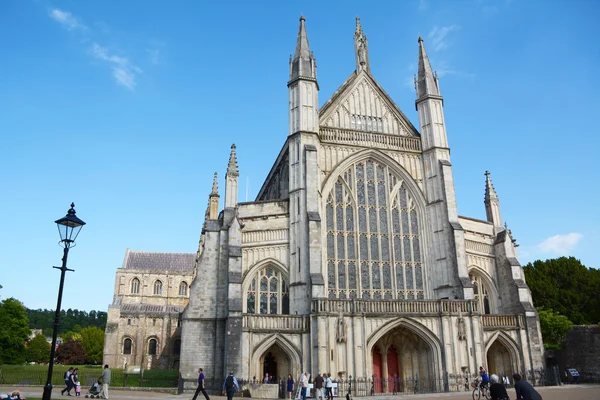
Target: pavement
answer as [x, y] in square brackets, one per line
[570, 392]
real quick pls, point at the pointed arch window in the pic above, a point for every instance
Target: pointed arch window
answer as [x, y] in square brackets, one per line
[135, 286]
[267, 293]
[183, 289]
[481, 291]
[158, 287]
[127, 346]
[373, 236]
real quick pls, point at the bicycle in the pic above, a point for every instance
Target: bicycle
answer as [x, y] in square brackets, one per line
[479, 392]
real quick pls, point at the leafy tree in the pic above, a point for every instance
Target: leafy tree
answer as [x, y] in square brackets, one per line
[566, 286]
[554, 328]
[69, 336]
[38, 349]
[71, 352]
[92, 339]
[14, 331]
[70, 320]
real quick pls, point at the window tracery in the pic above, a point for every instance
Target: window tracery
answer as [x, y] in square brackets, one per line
[267, 293]
[373, 236]
[183, 287]
[481, 291]
[157, 287]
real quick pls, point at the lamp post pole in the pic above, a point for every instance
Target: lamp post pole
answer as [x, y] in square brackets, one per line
[68, 227]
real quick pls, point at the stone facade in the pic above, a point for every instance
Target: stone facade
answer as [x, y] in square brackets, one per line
[144, 320]
[353, 258]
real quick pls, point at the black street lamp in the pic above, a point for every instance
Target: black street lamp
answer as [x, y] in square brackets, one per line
[68, 228]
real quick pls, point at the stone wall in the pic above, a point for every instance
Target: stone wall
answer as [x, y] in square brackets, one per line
[582, 352]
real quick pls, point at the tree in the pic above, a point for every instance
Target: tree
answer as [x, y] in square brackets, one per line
[71, 352]
[92, 339]
[566, 286]
[38, 349]
[14, 331]
[69, 336]
[554, 328]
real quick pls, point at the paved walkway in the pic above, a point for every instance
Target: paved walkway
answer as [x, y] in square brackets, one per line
[570, 392]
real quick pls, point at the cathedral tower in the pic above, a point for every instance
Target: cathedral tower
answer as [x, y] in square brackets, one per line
[447, 256]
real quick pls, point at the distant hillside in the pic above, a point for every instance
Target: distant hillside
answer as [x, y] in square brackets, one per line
[70, 320]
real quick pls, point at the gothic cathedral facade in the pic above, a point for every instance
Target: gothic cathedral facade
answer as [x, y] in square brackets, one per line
[353, 258]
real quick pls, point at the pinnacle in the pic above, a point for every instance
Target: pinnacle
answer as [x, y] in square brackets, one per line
[232, 168]
[215, 186]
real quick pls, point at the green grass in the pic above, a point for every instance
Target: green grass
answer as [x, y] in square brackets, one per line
[88, 374]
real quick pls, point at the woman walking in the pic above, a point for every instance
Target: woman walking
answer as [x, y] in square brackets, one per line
[290, 386]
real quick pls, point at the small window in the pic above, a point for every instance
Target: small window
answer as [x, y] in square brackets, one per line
[135, 286]
[154, 322]
[158, 287]
[127, 346]
[129, 321]
[183, 288]
[152, 347]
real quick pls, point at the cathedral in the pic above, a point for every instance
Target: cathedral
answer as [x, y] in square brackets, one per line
[352, 259]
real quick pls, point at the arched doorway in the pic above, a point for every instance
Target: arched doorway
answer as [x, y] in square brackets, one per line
[403, 362]
[499, 360]
[275, 362]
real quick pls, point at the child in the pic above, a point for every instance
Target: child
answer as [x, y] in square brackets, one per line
[78, 388]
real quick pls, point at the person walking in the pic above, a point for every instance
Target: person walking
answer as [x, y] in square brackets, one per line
[329, 387]
[304, 385]
[524, 389]
[230, 386]
[497, 390]
[201, 386]
[290, 385]
[318, 382]
[67, 377]
[105, 377]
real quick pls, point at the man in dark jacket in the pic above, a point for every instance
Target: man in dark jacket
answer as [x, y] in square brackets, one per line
[201, 386]
[318, 382]
[524, 390]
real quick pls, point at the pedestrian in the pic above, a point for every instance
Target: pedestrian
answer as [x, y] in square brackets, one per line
[105, 377]
[329, 387]
[230, 386]
[497, 390]
[78, 389]
[290, 385]
[67, 378]
[304, 385]
[318, 382]
[266, 378]
[524, 389]
[201, 386]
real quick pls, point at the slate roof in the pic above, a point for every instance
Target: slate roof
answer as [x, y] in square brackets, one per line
[148, 260]
[149, 309]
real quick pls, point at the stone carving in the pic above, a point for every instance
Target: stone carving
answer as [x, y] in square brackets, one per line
[462, 333]
[340, 331]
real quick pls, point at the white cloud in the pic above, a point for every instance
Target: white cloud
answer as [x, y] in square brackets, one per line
[560, 244]
[124, 71]
[438, 36]
[66, 19]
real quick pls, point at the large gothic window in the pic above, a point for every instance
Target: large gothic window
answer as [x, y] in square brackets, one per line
[127, 346]
[183, 287]
[267, 293]
[373, 236]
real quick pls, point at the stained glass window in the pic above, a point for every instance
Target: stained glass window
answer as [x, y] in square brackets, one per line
[380, 255]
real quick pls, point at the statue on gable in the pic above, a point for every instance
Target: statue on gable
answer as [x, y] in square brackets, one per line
[361, 52]
[340, 332]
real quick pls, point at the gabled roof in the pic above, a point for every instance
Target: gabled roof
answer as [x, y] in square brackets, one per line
[147, 260]
[350, 85]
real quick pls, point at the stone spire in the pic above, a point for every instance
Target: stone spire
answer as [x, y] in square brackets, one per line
[303, 64]
[232, 168]
[361, 48]
[492, 203]
[426, 81]
[212, 211]
[231, 180]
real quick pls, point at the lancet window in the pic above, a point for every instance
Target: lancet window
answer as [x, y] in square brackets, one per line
[267, 293]
[183, 287]
[158, 287]
[135, 286]
[373, 236]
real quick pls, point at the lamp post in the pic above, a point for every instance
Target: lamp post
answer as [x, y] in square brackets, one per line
[68, 228]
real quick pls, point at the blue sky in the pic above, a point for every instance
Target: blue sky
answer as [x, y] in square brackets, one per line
[127, 109]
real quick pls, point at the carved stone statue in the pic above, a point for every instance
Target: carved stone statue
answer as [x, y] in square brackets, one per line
[462, 333]
[361, 53]
[340, 331]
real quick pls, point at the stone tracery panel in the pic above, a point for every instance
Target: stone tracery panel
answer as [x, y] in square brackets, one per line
[373, 236]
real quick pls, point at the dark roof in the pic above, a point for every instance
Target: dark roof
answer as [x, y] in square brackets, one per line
[152, 309]
[148, 260]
